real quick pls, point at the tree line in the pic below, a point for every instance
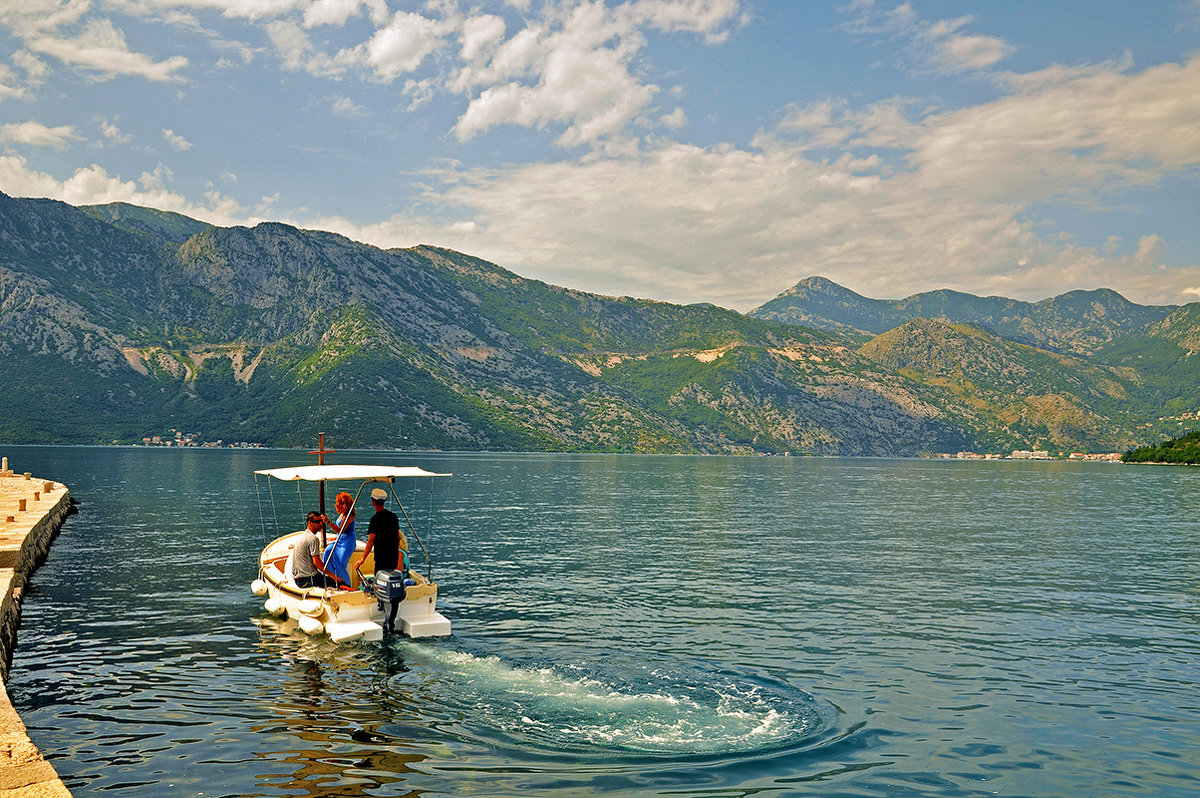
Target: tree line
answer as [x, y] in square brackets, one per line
[1184, 449]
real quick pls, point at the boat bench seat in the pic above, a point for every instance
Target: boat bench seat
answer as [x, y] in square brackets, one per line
[421, 589]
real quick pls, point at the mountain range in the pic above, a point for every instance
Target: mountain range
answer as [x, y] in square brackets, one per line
[119, 322]
[1080, 322]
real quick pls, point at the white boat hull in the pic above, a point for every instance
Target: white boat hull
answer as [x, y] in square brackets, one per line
[344, 615]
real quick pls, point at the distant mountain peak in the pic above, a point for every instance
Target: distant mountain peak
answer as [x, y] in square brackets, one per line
[1079, 322]
[820, 285]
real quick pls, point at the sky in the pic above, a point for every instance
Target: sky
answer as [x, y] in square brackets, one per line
[680, 150]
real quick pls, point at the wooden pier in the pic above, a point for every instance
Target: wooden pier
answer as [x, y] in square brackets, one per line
[31, 512]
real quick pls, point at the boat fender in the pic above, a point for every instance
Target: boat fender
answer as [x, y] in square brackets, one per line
[274, 606]
[310, 607]
[311, 625]
[258, 587]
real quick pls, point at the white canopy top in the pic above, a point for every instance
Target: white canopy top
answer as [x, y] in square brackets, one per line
[315, 473]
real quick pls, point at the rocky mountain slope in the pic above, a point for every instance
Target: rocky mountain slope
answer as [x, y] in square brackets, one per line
[119, 322]
[1080, 322]
[1012, 390]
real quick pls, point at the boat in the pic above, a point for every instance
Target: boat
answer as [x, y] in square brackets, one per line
[360, 613]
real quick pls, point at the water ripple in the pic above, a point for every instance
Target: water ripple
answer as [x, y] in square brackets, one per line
[667, 712]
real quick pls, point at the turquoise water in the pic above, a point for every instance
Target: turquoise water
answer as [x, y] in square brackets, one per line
[669, 626]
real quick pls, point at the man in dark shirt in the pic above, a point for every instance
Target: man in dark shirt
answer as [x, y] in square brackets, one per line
[384, 535]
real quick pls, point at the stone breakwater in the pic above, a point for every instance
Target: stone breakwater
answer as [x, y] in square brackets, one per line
[31, 513]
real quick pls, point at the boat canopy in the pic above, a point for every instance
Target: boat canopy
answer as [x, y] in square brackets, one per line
[319, 473]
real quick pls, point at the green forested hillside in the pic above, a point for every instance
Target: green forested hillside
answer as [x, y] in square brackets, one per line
[1181, 450]
[118, 322]
[1013, 392]
[1077, 322]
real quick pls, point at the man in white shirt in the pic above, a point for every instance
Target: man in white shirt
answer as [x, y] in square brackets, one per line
[305, 564]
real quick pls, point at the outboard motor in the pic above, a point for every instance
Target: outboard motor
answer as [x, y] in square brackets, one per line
[389, 588]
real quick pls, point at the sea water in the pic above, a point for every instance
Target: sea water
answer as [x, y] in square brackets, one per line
[624, 625]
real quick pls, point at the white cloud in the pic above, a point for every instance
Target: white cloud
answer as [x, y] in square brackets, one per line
[157, 180]
[833, 123]
[34, 67]
[94, 185]
[889, 197]
[421, 92]
[177, 142]
[865, 18]
[35, 134]
[573, 66]
[110, 131]
[939, 44]
[402, 45]
[480, 36]
[291, 43]
[676, 119]
[939, 200]
[582, 79]
[956, 53]
[1067, 131]
[338, 12]
[344, 106]
[298, 52]
[516, 57]
[101, 47]
[708, 17]
[31, 17]
[234, 9]
[10, 87]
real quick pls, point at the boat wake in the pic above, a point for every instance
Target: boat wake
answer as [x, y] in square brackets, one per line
[649, 712]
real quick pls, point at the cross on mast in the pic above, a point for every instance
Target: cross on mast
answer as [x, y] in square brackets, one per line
[320, 452]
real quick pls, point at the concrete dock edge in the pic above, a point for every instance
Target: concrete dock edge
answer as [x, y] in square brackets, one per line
[31, 513]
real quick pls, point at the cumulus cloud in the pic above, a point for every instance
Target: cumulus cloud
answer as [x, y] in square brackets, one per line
[403, 44]
[480, 36]
[344, 106]
[177, 142]
[675, 119]
[94, 185]
[944, 199]
[35, 68]
[572, 66]
[298, 52]
[574, 71]
[889, 197]
[10, 86]
[339, 12]
[110, 131]
[712, 18]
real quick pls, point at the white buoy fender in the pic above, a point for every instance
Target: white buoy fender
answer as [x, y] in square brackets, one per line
[310, 607]
[274, 606]
[258, 587]
[311, 625]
